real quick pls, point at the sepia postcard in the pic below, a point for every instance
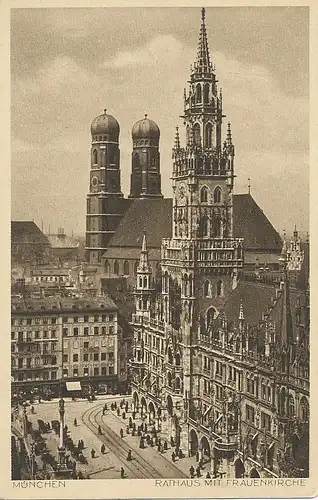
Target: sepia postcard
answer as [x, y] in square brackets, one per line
[157, 257]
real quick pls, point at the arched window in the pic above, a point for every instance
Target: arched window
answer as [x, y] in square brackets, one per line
[217, 195]
[107, 266]
[219, 288]
[207, 289]
[126, 268]
[177, 383]
[304, 410]
[95, 157]
[198, 93]
[177, 359]
[136, 267]
[140, 282]
[210, 315]
[204, 195]
[145, 282]
[170, 357]
[197, 135]
[208, 135]
[206, 93]
[169, 378]
[291, 406]
[116, 267]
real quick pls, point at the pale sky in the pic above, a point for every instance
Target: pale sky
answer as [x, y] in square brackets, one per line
[68, 65]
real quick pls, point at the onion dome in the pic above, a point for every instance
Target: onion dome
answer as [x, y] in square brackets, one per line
[105, 125]
[145, 129]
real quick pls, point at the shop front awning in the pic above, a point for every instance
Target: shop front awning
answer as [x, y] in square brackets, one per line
[73, 386]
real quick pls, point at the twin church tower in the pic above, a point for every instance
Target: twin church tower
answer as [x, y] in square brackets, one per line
[105, 202]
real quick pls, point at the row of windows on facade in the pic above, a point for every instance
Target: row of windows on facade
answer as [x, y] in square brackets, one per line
[96, 356]
[216, 196]
[125, 269]
[86, 331]
[95, 371]
[53, 320]
[112, 158]
[59, 279]
[37, 348]
[203, 90]
[46, 375]
[289, 410]
[32, 362]
[193, 135]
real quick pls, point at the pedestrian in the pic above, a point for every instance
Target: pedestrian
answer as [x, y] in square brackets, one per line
[40, 400]
[198, 471]
[173, 456]
[200, 463]
[102, 449]
[191, 470]
[130, 422]
[118, 412]
[134, 426]
[133, 415]
[133, 432]
[197, 457]
[145, 427]
[105, 407]
[121, 433]
[165, 445]
[208, 475]
[127, 429]
[129, 455]
[93, 453]
[172, 442]
[126, 408]
[99, 430]
[115, 405]
[122, 473]
[124, 415]
[141, 443]
[75, 422]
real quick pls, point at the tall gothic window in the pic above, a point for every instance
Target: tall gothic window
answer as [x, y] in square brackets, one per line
[217, 195]
[204, 195]
[95, 157]
[207, 289]
[206, 93]
[116, 267]
[198, 93]
[126, 268]
[208, 135]
[197, 135]
[210, 315]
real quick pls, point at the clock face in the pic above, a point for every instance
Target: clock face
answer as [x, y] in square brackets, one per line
[94, 181]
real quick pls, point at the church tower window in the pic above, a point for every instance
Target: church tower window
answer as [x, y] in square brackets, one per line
[206, 93]
[204, 195]
[126, 268]
[198, 93]
[197, 134]
[208, 135]
[95, 157]
[204, 227]
[217, 195]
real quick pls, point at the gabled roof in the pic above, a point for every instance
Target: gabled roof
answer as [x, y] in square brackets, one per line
[27, 232]
[255, 298]
[250, 223]
[155, 217]
[151, 215]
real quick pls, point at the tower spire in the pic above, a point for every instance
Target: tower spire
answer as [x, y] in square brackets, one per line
[203, 64]
[144, 257]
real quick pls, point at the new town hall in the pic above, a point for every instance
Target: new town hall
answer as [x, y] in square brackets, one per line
[221, 323]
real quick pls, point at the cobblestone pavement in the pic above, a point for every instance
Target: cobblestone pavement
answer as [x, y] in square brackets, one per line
[108, 466]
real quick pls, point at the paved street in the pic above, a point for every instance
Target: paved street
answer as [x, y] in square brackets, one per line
[146, 463]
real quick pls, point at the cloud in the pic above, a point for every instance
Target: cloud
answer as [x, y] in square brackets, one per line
[163, 49]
